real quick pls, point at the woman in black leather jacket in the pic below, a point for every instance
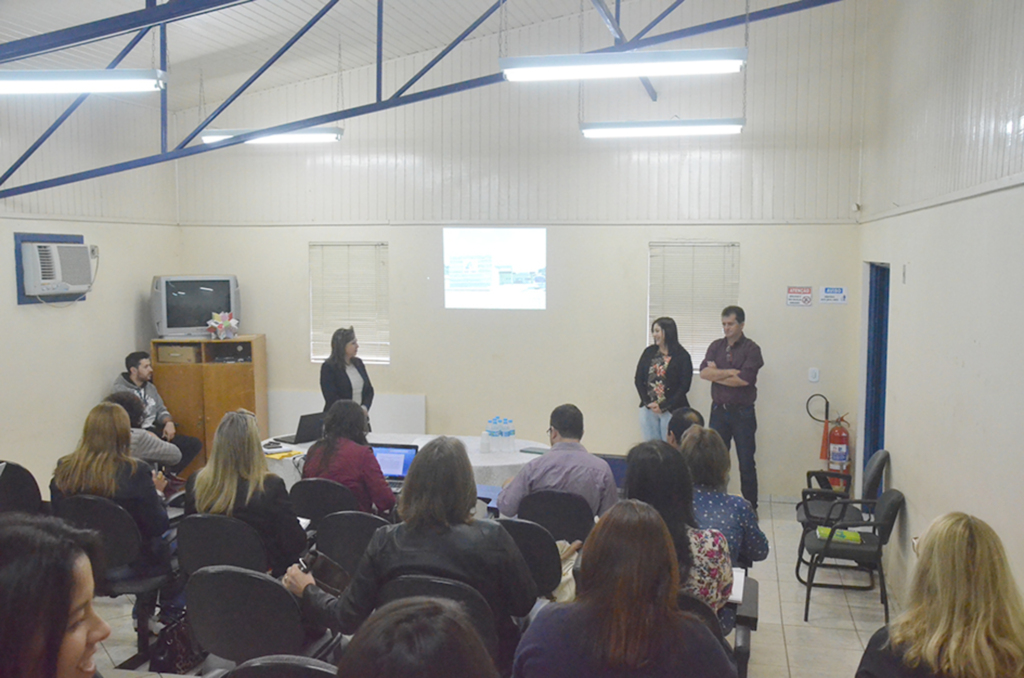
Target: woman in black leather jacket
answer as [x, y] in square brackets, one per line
[438, 537]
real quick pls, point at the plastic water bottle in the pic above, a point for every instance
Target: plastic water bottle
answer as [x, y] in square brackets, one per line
[511, 435]
[503, 432]
[494, 435]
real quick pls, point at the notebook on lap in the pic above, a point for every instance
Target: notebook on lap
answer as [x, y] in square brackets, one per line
[311, 427]
[394, 460]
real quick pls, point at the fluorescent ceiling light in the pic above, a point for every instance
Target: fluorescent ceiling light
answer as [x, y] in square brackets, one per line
[623, 64]
[81, 82]
[311, 135]
[662, 128]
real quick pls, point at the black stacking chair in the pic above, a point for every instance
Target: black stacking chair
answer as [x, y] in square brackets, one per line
[707, 616]
[816, 503]
[565, 515]
[344, 536]
[122, 545]
[19, 490]
[315, 498]
[867, 554]
[283, 666]
[205, 539]
[475, 604]
[238, 615]
[539, 551]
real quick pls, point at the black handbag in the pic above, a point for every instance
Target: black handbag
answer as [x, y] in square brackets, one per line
[175, 650]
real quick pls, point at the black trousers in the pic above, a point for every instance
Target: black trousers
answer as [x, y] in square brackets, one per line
[188, 445]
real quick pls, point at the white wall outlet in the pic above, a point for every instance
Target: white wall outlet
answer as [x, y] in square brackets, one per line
[813, 375]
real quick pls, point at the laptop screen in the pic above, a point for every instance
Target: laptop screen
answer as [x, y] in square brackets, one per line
[394, 460]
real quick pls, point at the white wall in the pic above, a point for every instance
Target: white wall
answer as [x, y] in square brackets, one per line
[103, 131]
[473, 365]
[944, 120]
[953, 396]
[513, 153]
[59, 362]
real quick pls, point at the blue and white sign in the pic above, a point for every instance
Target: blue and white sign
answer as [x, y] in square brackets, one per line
[832, 295]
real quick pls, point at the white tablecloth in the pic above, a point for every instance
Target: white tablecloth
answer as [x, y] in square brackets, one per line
[490, 468]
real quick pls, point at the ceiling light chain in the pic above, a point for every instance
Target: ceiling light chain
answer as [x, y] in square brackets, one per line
[579, 83]
[341, 89]
[503, 31]
[202, 97]
[746, 45]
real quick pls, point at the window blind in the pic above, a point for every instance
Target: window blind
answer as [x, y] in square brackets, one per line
[691, 283]
[348, 286]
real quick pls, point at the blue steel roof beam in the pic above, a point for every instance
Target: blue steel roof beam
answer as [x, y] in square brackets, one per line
[109, 27]
[380, 50]
[79, 100]
[620, 37]
[260, 71]
[712, 26]
[176, 154]
[661, 17]
[452, 45]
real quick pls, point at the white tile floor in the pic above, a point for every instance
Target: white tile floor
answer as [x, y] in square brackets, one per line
[829, 645]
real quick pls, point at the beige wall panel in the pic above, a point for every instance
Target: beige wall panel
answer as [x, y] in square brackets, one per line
[473, 365]
[59, 362]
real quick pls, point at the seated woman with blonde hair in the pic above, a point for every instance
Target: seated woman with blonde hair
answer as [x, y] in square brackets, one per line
[102, 466]
[236, 483]
[964, 618]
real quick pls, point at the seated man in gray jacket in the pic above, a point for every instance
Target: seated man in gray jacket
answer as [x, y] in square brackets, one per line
[138, 382]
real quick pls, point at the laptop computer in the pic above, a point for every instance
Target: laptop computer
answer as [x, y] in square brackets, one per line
[311, 427]
[394, 460]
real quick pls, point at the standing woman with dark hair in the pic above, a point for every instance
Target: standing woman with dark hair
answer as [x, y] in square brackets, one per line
[439, 537]
[626, 619]
[102, 466]
[663, 376]
[657, 473]
[343, 376]
[343, 456]
[965, 618]
[48, 626]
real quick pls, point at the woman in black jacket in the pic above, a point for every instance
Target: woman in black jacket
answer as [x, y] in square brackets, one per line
[236, 483]
[343, 375]
[663, 376]
[438, 537]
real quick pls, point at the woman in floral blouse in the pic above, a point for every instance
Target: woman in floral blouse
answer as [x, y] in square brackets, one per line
[656, 473]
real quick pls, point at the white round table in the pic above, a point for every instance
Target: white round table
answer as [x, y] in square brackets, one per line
[489, 468]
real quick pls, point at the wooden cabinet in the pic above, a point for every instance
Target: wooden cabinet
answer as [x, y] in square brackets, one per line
[202, 379]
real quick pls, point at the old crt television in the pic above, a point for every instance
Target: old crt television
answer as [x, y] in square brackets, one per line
[182, 304]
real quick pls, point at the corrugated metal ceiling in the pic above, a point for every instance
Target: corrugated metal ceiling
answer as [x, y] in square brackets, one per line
[223, 48]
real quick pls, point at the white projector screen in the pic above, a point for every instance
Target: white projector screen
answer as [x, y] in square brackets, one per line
[501, 268]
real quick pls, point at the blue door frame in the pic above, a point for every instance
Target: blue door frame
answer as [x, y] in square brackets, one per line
[878, 342]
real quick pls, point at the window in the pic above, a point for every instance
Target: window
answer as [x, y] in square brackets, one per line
[691, 283]
[348, 286]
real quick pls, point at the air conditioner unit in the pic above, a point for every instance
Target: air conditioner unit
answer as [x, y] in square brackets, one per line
[56, 268]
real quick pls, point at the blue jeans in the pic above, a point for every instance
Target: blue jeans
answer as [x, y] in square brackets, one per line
[740, 423]
[654, 426]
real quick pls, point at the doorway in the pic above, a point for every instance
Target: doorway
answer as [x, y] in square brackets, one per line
[877, 353]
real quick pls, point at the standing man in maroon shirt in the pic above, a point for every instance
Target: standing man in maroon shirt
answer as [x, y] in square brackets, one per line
[731, 364]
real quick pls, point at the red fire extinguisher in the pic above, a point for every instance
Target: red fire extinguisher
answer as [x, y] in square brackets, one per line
[839, 451]
[835, 442]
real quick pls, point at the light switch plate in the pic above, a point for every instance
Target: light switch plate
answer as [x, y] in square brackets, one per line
[812, 375]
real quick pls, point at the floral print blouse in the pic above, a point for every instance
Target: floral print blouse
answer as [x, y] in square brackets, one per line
[711, 574]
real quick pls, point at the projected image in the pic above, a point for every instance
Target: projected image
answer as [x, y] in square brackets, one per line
[501, 268]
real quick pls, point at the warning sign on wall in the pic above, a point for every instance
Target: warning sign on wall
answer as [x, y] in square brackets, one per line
[832, 295]
[799, 296]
